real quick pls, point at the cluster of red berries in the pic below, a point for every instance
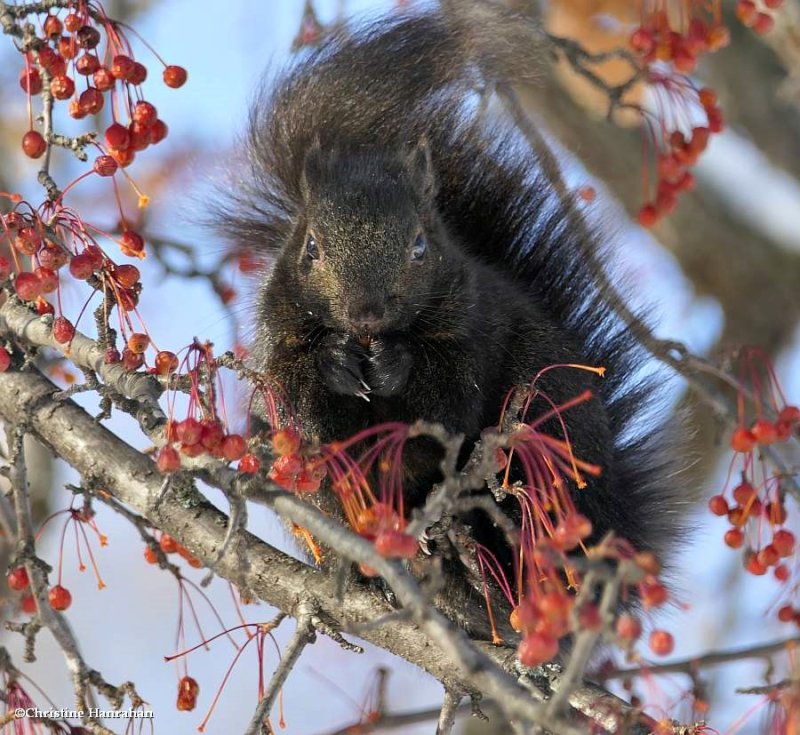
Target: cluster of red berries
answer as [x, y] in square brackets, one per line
[64, 245]
[188, 689]
[83, 56]
[381, 524]
[378, 522]
[28, 236]
[369, 489]
[757, 15]
[677, 153]
[657, 39]
[193, 437]
[763, 432]
[552, 527]
[132, 356]
[628, 630]
[547, 613]
[750, 504]
[569, 532]
[653, 594]
[203, 431]
[59, 596]
[144, 129]
[747, 506]
[291, 470]
[69, 49]
[678, 37]
[169, 545]
[543, 620]
[757, 373]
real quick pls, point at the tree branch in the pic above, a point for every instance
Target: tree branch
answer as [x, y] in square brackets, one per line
[275, 577]
[690, 665]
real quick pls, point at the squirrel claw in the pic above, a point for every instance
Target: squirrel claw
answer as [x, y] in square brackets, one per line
[389, 367]
[339, 362]
[363, 393]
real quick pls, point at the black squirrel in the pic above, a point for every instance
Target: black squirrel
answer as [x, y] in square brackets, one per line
[423, 267]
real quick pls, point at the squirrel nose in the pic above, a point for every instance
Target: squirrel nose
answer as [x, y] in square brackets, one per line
[365, 318]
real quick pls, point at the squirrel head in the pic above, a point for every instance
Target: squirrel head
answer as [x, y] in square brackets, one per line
[368, 250]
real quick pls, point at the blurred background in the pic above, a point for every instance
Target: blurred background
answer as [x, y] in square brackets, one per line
[721, 271]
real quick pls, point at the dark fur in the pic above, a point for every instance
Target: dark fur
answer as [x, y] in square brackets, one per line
[369, 140]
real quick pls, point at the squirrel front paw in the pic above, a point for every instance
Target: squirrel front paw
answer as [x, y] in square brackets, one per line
[388, 367]
[340, 360]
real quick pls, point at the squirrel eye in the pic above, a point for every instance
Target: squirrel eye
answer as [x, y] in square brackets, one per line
[312, 249]
[418, 251]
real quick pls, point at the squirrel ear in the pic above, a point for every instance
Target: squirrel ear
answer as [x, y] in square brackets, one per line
[420, 167]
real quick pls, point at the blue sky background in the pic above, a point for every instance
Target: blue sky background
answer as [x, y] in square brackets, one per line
[127, 628]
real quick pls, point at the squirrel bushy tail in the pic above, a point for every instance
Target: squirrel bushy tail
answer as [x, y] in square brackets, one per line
[425, 77]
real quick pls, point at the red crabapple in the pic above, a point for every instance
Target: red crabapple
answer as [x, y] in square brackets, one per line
[234, 447]
[105, 165]
[18, 580]
[63, 330]
[27, 286]
[249, 464]
[60, 597]
[168, 459]
[175, 76]
[33, 144]
[661, 642]
[536, 649]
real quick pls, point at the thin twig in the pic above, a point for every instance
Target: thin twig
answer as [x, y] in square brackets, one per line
[447, 715]
[303, 635]
[56, 623]
[689, 665]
